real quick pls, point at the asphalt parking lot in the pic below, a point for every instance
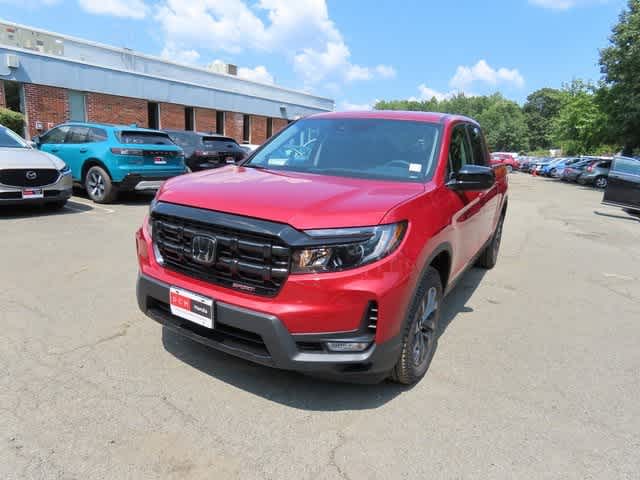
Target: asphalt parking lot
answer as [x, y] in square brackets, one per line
[537, 374]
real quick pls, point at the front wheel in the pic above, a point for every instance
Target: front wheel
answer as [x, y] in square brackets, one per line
[99, 186]
[420, 336]
[489, 256]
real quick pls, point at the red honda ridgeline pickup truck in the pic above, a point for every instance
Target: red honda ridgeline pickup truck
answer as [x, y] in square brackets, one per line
[330, 249]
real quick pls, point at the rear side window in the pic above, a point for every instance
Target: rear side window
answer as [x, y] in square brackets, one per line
[478, 147]
[77, 135]
[606, 164]
[56, 135]
[144, 138]
[97, 135]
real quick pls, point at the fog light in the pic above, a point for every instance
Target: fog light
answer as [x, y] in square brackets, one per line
[347, 346]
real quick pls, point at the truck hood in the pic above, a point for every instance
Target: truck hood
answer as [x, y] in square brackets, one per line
[304, 201]
[28, 158]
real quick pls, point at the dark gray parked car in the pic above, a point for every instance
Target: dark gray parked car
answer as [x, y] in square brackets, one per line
[596, 174]
[623, 189]
[572, 172]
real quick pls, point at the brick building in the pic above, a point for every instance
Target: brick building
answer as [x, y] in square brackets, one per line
[58, 78]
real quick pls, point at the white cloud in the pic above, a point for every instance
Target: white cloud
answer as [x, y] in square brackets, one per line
[427, 93]
[386, 71]
[482, 72]
[347, 106]
[564, 4]
[189, 57]
[257, 74]
[135, 9]
[302, 31]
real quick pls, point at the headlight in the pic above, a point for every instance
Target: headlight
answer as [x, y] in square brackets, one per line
[345, 248]
[65, 170]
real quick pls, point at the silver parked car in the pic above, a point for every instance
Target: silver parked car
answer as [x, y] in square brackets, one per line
[30, 176]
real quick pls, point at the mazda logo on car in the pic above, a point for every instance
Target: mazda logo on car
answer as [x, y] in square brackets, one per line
[31, 175]
[203, 250]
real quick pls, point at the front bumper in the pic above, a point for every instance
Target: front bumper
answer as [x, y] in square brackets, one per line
[59, 191]
[264, 339]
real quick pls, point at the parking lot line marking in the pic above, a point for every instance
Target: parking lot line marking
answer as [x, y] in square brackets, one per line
[93, 205]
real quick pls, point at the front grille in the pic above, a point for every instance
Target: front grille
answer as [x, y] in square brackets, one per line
[244, 261]
[36, 177]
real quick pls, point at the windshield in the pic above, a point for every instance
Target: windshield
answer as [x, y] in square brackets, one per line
[364, 148]
[145, 138]
[8, 139]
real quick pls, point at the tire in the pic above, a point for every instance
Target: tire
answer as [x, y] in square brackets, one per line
[489, 256]
[600, 182]
[99, 186]
[420, 336]
[552, 172]
[59, 205]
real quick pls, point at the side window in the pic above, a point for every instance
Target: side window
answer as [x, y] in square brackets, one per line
[77, 135]
[627, 166]
[459, 149]
[54, 136]
[477, 145]
[96, 135]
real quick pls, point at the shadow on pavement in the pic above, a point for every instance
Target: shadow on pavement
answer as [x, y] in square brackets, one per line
[124, 198]
[622, 216]
[299, 391]
[28, 211]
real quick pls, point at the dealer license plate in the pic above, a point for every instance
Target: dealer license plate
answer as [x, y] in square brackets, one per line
[28, 193]
[191, 306]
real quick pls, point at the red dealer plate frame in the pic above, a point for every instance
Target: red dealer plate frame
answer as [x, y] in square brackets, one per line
[30, 193]
[192, 307]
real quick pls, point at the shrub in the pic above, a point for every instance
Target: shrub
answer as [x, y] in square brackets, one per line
[12, 120]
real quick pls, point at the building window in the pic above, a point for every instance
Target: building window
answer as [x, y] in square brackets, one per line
[153, 115]
[220, 122]
[269, 127]
[12, 95]
[189, 118]
[246, 128]
[77, 106]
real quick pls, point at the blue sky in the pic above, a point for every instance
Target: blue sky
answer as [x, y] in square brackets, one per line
[355, 51]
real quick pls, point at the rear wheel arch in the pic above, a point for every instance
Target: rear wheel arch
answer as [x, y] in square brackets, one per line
[93, 162]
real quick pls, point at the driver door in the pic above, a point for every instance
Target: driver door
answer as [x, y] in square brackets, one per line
[469, 221]
[623, 186]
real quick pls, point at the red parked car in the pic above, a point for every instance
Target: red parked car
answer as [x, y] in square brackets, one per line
[506, 159]
[331, 260]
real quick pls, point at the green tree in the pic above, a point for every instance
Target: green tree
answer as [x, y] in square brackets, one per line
[581, 124]
[620, 65]
[540, 111]
[502, 120]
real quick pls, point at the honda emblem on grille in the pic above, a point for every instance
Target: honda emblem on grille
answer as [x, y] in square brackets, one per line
[203, 250]
[31, 175]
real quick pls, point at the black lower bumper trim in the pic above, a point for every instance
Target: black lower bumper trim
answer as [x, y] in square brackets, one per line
[50, 196]
[130, 181]
[264, 339]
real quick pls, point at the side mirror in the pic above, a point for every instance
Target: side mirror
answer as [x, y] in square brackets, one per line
[472, 178]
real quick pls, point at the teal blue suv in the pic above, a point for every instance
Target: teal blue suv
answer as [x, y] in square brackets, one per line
[108, 159]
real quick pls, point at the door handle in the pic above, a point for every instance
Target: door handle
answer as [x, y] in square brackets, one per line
[83, 150]
[54, 150]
